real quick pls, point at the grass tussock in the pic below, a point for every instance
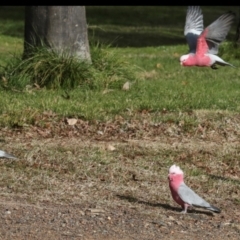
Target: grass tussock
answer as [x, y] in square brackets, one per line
[47, 68]
[229, 51]
[167, 92]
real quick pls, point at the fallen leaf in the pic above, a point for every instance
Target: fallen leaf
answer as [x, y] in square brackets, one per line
[71, 121]
[95, 210]
[4, 79]
[107, 91]
[171, 218]
[36, 85]
[110, 147]
[184, 83]
[126, 86]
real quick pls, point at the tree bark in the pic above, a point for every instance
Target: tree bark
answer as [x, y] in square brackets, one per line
[62, 28]
[238, 31]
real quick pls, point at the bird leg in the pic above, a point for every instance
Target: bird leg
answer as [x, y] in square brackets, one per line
[185, 207]
[214, 66]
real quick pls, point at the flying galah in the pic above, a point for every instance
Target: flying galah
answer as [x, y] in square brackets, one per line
[183, 195]
[203, 44]
[6, 155]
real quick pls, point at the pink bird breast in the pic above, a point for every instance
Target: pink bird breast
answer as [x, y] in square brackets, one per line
[196, 60]
[175, 178]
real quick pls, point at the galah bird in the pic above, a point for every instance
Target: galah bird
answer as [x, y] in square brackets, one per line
[6, 155]
[183, 195]
[203, 44]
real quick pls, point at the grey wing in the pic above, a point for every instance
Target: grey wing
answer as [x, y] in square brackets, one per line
[193, 26]
[6, 155]
[218, 30]
[190, 197]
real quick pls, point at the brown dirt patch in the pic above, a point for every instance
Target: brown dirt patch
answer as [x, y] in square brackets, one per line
[108, 181]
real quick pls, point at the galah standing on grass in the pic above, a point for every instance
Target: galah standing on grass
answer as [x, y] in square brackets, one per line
[203, 44]
[6, 155]
[183, 195]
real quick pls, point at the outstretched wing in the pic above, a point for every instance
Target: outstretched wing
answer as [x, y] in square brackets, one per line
[218, 30]
[193, 26]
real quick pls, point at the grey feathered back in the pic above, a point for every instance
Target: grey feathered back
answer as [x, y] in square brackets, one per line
[193, 199]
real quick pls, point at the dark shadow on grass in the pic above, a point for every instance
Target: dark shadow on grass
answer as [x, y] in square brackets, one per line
[162, 205]
[123, 26]
[135, 200]
[13, 13]
[145, 26]
[136, 39]
[236, 181]
[153, 16]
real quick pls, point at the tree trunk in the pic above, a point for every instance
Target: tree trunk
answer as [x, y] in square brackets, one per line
[238, 31]
[62, 28]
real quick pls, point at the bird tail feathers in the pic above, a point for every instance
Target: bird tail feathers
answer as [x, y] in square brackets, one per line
[214, 209]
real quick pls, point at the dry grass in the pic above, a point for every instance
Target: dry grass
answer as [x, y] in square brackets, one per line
[125, 173]
[87, 168]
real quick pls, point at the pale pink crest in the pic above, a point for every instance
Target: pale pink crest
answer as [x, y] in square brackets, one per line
[175, 169]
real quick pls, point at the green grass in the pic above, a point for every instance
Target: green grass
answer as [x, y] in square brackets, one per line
[118, 153]
[49, 69]
[160, 85]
